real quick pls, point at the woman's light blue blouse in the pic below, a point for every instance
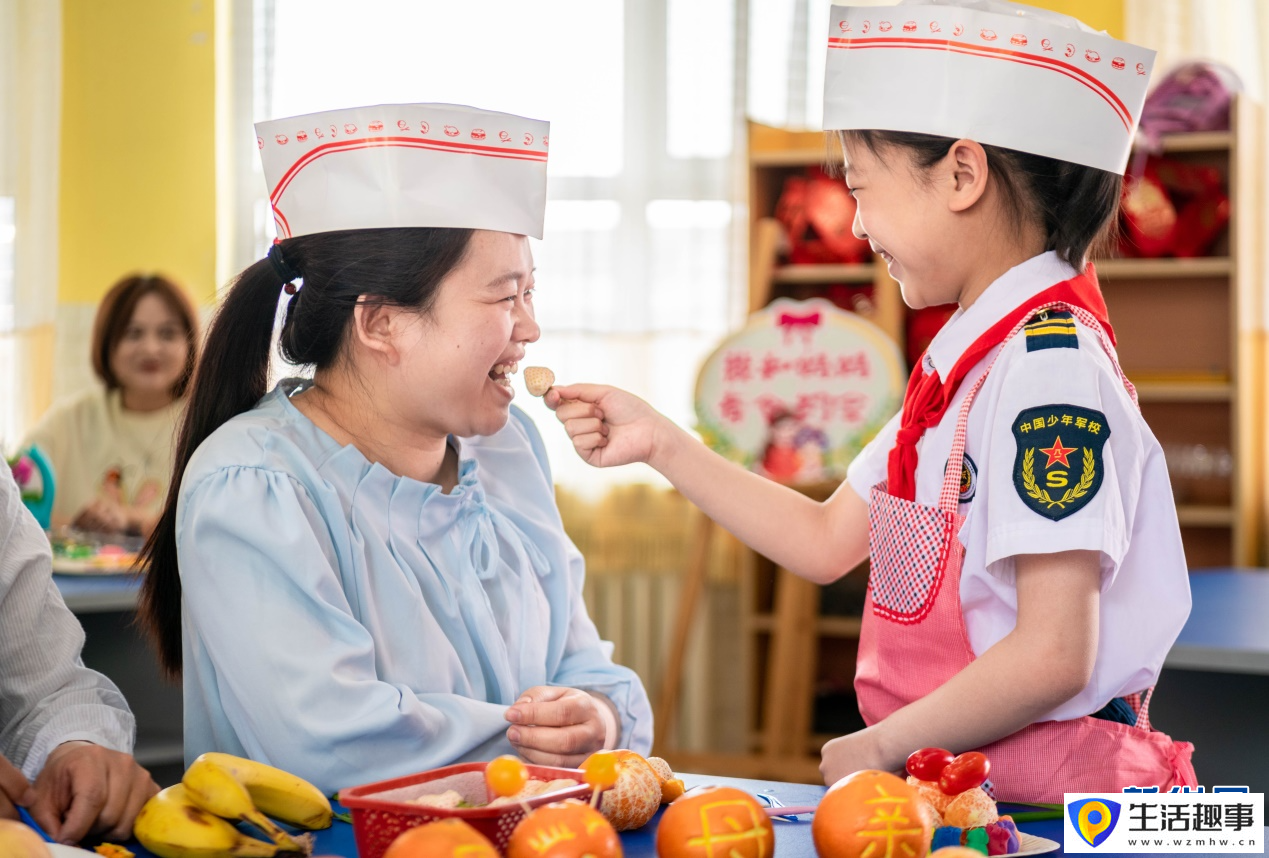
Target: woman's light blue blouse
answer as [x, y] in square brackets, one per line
[349, 625]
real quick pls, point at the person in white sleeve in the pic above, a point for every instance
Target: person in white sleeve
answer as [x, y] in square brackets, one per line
[66, 733]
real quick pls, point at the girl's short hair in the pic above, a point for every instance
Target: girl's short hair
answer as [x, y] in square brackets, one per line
[1077, 206]
[114, 314]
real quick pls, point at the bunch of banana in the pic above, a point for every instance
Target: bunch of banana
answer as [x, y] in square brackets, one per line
[189, 820]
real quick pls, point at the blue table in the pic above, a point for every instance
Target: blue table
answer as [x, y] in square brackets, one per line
[1228, 629]
[90, 594]
[793, 839]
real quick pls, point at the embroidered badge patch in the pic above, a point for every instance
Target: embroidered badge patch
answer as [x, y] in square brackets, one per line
[969, 478]
[1052, 329]
[1058, 469]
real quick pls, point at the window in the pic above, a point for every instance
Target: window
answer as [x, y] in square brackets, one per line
[640, 271]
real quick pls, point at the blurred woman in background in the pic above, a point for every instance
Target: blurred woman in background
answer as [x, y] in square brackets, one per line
[111, 447]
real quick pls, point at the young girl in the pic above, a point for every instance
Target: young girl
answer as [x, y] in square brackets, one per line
[365, 575]
[1027, 576]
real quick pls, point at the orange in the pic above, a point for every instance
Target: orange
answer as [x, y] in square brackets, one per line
[636, 796]
[713, 822]
[564, 829]
[448, 838]
[956, 852]
[871, 814]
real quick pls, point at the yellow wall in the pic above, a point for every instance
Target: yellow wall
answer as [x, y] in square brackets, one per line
[138, 170]
[1105, 15]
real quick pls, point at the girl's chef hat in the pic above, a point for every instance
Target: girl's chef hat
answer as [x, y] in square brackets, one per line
[1000, 73]
[430, 165]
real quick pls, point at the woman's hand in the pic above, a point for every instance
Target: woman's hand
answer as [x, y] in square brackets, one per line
[85, 788]
[561, 726]
[608, 426]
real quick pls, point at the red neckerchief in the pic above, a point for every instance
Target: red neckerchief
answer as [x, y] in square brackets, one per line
[928, 396]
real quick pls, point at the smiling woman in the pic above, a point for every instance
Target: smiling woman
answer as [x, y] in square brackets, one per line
[373, 559]
[111, 447]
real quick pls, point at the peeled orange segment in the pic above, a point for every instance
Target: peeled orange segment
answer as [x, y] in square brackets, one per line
[636, 796]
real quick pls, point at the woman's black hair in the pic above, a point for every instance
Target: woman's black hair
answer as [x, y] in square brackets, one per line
[1077, 206]
[399, 267]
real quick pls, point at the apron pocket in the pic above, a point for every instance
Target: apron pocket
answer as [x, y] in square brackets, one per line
[910, 546]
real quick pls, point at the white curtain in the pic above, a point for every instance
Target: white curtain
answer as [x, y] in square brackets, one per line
[30, 102]
[1232, 32]
[641, 271]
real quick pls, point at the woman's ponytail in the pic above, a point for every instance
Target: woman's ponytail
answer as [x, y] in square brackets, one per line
[398, 266]
[232, 375]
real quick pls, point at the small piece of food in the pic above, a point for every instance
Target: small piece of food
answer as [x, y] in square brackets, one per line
[671, 787]
[600, 769]
[20, 841]
[538, 380]
[971, 809]
[928, 763]
[865, 809]
[564, 829]
[634, 797]
[448, 838]
[713, 822]
[447, 800]
[113, 850]
[533, 789]
[506, 775]
[966, 771]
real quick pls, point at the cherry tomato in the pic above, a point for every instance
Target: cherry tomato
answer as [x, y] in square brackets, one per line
[506, 775]
[600, 769]
[928, 763]
[965, 772]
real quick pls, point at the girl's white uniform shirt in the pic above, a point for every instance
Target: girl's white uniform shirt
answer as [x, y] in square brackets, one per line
[1130, 519]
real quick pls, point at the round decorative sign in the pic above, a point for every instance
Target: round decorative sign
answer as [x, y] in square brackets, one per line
[798, 391]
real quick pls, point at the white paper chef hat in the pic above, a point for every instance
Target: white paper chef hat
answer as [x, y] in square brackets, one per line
[431, 165]
[1000, 73]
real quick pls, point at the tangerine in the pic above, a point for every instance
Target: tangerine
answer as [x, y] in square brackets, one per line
[715, 821]
[871, 813]
[635, 796]
[564, 829]
[443, 839]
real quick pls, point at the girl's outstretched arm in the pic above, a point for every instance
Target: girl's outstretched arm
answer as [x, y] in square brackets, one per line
[1046, 660]
[818, 541]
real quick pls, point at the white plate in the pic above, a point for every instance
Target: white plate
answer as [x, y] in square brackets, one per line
[60, 851]
[1029, 844]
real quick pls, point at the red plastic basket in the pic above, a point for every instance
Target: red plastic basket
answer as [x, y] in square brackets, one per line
[381, 811]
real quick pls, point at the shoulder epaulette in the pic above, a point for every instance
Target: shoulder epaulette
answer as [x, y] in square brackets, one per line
[1051, 329]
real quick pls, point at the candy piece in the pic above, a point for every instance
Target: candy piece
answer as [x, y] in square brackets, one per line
[945, 836]
[997, 839]
[1015, 842]
[506, 775]
[538, 379]
[976, 839]
[971, 809]
[600, 769]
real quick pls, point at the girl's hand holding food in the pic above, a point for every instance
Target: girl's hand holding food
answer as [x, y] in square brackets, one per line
[609, 426]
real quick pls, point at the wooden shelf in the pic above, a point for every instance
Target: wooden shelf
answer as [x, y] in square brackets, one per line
[1200, 141]
[1164, 269]
[1206, 516]
[863, 272]
[789, 158]
[1185, 391]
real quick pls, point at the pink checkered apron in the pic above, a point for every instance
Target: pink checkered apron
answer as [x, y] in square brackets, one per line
[914, 639]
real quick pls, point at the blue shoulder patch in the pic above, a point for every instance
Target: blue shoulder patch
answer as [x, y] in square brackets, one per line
[1051, 329]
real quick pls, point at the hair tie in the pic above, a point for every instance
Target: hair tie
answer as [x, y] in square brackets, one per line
[280, 267]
